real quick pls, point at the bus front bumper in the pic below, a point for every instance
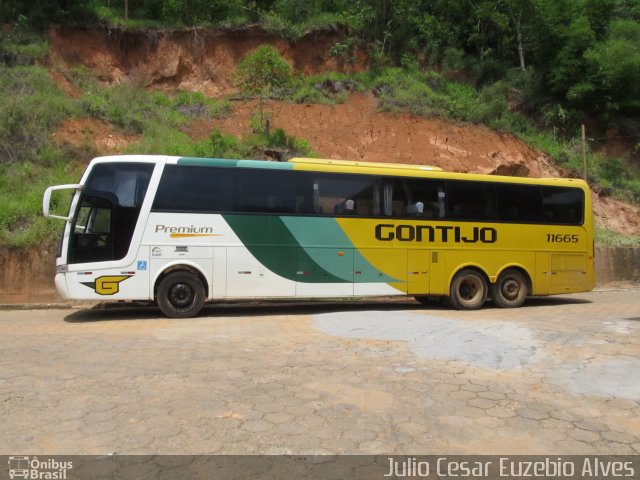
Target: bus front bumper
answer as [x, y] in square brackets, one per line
[61, 285]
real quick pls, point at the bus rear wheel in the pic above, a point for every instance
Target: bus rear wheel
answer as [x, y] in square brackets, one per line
[180, 295]
[510, 290]
[468, 290]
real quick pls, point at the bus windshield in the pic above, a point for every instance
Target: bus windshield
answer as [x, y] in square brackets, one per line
[108, 210]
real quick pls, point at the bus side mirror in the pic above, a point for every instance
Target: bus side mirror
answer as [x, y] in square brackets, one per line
[46, 200]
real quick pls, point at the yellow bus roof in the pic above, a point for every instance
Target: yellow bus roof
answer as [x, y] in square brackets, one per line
[400, 169]
[352, 163]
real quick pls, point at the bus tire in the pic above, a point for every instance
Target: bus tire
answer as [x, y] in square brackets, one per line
[468, 290]
[180, 295]
[510, 290]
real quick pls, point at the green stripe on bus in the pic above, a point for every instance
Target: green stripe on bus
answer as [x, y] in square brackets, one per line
[265, 165]
[207, 162]
[273, 245]
[224, 162]
[316, 234]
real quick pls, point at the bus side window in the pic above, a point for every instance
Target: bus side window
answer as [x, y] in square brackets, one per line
[414, 197]
[263, 191]
[519, 203]
[353, 195]
[196, 189]
[563, 205]
[471, 200]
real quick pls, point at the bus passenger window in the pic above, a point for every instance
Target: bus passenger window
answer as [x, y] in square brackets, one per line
[195, 189]
[353, 195]
[563, 205]
[413, 197]
[261, 191]
[471, 200]
[519, 203]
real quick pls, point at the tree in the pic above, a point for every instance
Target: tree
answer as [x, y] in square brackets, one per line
[260, 73]
[520, 13]
[570, 66]
[614, 68]
[599, 13]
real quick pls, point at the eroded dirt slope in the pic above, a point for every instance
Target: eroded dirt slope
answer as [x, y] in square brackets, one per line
[206, 60]
[190, 59]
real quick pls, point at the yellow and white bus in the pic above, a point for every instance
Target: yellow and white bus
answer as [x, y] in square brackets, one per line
[182, 230]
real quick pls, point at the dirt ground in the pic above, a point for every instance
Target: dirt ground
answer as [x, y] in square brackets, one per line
[557, 376]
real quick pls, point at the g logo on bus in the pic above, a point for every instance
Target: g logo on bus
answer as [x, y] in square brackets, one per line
[107, 284]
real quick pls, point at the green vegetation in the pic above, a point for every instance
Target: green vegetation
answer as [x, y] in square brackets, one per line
[261, 73]
[583, 55]
[138, 111]
[536, 69]
[30, 159]
[20, 45]
[29, 113]
[608, 238]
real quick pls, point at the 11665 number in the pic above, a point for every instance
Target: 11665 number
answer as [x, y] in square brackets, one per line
[562, 238]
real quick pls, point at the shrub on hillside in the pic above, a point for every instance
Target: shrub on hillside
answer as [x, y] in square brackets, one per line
[31, 108]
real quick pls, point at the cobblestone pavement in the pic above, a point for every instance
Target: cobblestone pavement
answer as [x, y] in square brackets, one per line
[559, 376]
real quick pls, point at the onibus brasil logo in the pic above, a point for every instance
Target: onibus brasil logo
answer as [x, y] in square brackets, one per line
[34, 468]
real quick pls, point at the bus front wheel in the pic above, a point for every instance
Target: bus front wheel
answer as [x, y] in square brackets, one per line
[468, 290]
[510, 290]
[180, 295]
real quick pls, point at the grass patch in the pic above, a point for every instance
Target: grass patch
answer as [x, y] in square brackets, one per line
[287, 146]
[31, 110]
[225, 15]
[136, 110]
[165, 140]
[609, 238]
[20, 47]
[293, 30]
[402, 90]
[21, 187]
[327, 88]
